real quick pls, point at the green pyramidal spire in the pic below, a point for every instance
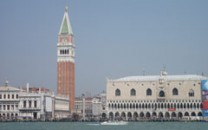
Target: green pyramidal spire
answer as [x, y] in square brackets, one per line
[65, 25]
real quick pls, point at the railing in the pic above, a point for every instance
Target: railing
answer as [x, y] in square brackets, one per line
[29, 108]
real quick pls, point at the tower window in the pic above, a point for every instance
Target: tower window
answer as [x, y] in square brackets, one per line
[64, 51]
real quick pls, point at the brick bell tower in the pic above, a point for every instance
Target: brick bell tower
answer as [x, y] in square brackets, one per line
[65, 61]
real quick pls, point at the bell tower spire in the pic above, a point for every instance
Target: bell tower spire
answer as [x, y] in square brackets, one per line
[66, 61]
[65, 24]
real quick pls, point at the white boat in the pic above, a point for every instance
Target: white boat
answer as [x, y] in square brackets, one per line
[114, 123]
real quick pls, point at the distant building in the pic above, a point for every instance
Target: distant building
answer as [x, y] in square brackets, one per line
[66, 61]
[84, 104]
[31, 104]
[99, 105]
[94, 107]
[150, 97]
[61, 107]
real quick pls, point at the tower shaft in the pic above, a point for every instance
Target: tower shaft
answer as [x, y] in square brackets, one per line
[66, 61]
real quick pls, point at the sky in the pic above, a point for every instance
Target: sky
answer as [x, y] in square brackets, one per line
[113, 38]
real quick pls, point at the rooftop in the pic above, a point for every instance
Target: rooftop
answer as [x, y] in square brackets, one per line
[8, 88]
[166, 77]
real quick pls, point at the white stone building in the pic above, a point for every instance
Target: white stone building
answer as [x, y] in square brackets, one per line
[43, 106]
[9, 102]
[36, 105]
[61, 107]
[149, 97]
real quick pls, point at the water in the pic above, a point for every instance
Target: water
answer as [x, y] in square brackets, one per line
[96, 126]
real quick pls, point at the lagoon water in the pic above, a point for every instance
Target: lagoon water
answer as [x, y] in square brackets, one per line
[96, 126]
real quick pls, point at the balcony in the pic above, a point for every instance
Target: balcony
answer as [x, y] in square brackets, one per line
[29, 108]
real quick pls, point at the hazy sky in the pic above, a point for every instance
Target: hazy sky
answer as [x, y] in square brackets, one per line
[114, 39]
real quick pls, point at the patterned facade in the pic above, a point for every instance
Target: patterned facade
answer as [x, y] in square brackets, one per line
[155, 97]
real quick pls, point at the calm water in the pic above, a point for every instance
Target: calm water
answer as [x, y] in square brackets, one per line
[96, 126]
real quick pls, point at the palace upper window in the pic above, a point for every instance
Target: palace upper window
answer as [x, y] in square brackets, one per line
[118, 92]
[191, 93]
[162, 93]
[149, 92]
[175, 91]
[133, 92]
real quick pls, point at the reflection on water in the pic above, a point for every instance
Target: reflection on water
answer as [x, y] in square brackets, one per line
[97, 126]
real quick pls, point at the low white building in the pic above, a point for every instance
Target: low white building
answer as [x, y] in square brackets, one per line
[31, 104]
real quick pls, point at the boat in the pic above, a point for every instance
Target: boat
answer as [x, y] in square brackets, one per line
[114, 123]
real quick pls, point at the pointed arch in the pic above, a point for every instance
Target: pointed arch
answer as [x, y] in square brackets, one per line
[175, 91]
[135, 115]
[117, 114]
[154, 114]
[149, 92]
[191, 93]
[129, 115]
[161, 93]
[173, 114]
[199, 114]
[193, 114]
[180, 115]
[160, 115]
[167, 115]
[186, 114]
[148, 115]
[123, 115]
[117, 92]
[133, 92]
[141, 114]
[111, 115]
